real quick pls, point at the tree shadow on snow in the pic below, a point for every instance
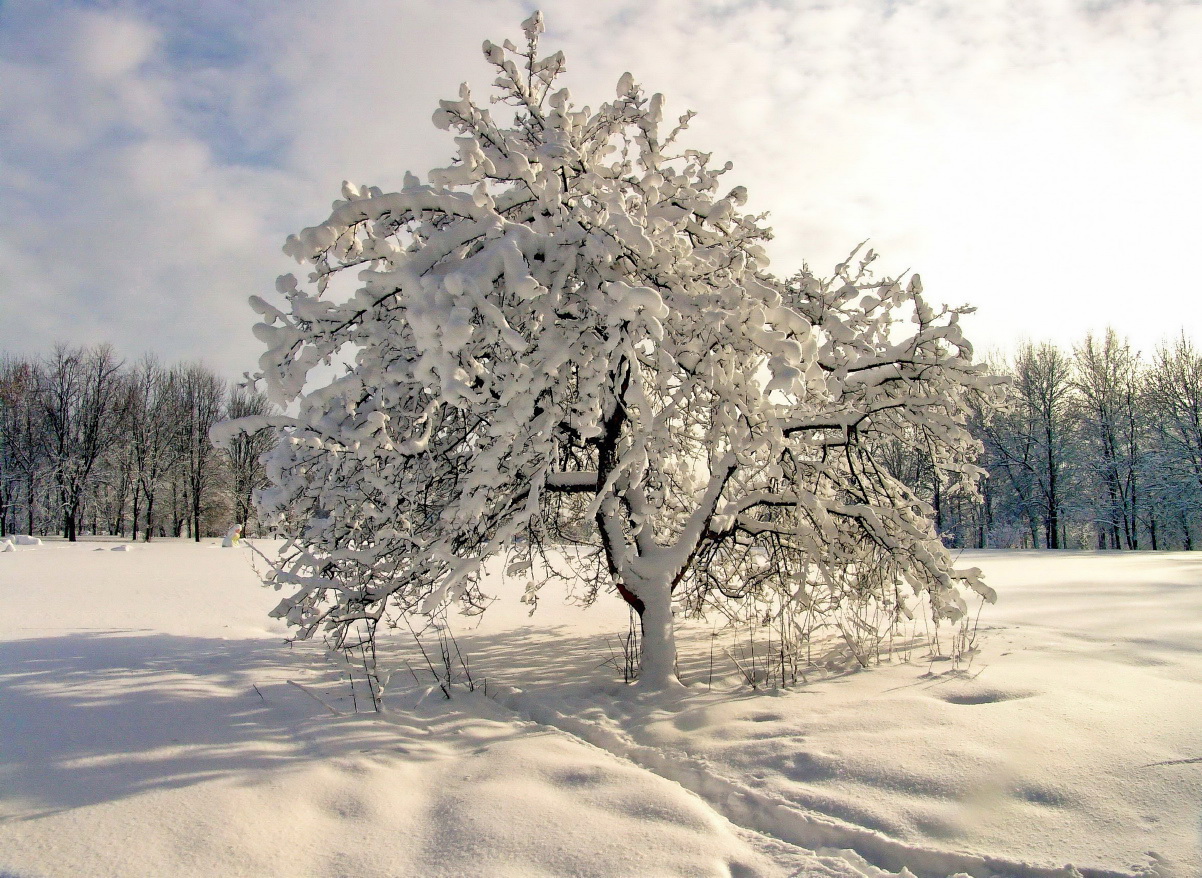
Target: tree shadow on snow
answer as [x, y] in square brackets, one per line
[549, 658]
[93, 717]
[565, 664]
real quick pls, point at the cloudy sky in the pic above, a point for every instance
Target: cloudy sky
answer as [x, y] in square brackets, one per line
[1040, 159]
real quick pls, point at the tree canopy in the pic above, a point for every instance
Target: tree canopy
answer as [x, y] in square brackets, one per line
[569, 338]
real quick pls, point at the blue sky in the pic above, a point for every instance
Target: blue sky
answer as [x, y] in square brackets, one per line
[1036, 158]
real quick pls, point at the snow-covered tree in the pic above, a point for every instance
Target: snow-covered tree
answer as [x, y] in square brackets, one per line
[570, 337]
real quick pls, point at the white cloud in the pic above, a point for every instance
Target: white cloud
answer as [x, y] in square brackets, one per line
[1032, 158]
[119, 224]
[1035, 158]
[363, 79]
[107, 47]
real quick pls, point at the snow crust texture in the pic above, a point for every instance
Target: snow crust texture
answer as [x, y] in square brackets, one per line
[158, 724]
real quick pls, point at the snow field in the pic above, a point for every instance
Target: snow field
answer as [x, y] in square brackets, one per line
[148, 725]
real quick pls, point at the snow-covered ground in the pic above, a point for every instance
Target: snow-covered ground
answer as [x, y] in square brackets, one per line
[153, 723]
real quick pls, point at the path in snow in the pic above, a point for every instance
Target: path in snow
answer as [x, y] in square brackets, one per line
[1072, 737]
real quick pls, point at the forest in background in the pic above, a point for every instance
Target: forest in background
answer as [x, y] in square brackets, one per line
[1098, 447]
[90, 444]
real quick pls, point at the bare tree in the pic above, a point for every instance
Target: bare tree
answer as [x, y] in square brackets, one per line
[1108, 385]
[1030, 443]
[20, 440]
[202, 395]
[243, 451]
[117, 482]
[1044, 387]
[1174, 395]
[153, 418]
[79, 403]
[1010, 449]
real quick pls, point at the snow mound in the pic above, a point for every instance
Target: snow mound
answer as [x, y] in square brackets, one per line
[124, 547]
[25, 540]
[7, 546]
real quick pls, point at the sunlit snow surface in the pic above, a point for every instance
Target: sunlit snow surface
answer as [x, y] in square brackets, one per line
[147, 727]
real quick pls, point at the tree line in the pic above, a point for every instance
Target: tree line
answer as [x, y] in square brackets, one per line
[1097, 447]
[90, 444]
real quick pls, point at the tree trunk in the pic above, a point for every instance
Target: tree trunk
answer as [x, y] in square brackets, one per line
[70, 518]
[657, 670]
[149, 515]
[1134, 540]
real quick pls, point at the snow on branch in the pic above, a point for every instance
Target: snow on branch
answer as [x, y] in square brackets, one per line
[569, 336]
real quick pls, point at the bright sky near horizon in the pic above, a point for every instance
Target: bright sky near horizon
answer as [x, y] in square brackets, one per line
[1040, 159]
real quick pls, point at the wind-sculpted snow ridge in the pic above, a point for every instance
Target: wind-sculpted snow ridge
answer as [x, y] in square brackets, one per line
[778, 818]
